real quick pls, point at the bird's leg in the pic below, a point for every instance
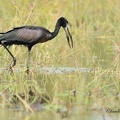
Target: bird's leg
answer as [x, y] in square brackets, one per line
[14, 59]
[28, 61]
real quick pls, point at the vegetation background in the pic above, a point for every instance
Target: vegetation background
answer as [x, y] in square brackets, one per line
[95, 27]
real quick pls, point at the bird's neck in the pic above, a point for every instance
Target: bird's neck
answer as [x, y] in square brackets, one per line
[55, 32]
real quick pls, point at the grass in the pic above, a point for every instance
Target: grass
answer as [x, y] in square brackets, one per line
[95, 30]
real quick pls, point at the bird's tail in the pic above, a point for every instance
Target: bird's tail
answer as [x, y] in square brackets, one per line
[0, 40]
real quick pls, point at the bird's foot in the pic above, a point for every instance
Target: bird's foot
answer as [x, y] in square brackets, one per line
[11, 69]
[27, 71]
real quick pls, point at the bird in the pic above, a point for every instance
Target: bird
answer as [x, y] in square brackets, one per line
[31, 35]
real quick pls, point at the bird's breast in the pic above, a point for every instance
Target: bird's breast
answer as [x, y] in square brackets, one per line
[44, 38]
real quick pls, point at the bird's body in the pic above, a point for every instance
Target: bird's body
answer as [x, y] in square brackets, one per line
[31, 35]
[25, 35]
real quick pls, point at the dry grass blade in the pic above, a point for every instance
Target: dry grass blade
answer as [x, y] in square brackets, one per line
[27, 106]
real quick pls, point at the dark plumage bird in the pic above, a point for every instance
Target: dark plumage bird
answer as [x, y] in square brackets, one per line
[31, 35]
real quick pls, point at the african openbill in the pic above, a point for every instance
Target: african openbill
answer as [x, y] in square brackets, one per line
[31, 35]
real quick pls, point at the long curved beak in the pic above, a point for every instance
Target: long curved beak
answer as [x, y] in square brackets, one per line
[69, 37]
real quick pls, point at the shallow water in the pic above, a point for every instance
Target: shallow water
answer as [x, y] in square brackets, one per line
[55, 70]
[48, 115]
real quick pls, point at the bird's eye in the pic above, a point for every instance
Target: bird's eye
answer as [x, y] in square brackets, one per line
[64, 25]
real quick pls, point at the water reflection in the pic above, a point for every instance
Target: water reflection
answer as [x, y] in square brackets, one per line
[53, 115]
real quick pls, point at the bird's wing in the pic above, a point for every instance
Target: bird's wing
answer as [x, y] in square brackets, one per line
[24, 34]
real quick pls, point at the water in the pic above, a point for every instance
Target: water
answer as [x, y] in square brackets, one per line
[46, 115]
[55, 70]
[61, 70]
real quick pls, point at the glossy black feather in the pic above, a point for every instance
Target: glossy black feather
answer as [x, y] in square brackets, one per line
[25, 35]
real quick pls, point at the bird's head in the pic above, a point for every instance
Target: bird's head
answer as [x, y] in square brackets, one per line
[64, 23]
